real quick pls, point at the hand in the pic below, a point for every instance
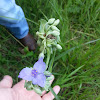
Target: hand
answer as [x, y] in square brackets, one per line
[18, 92]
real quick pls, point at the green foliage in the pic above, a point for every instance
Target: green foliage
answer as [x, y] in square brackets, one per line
[57, 98]
[29, 86]
[80, 36]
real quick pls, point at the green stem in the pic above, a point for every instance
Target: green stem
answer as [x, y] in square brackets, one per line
[48, 57]
[51, 62]
[49, 28]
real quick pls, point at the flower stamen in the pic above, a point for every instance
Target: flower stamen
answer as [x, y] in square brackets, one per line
[34, 72]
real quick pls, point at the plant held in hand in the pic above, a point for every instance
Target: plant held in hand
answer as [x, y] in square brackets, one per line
[38, 78]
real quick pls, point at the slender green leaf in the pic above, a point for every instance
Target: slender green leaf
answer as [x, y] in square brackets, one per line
[57, 98]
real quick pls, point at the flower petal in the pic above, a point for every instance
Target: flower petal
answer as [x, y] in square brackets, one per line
[26, 74]
[34, 81]
[41, 80]
[40, 66]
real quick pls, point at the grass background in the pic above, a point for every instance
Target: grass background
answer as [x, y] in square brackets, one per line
[77, 66]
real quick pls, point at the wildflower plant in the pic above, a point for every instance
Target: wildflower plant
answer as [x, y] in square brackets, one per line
[38, 77]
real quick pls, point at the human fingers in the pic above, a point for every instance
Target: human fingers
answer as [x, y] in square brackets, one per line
[6, 82]
[50, 96]
[20, 87]
[50, 83]
[20, 84]
[23, 93]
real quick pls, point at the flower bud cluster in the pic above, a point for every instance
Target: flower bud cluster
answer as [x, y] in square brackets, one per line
[48, 36]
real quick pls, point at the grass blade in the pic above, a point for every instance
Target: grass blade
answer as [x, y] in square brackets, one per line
[66, 52]
[57, 98]
[75, 71]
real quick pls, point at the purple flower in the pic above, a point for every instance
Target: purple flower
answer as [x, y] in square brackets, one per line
[35, 74]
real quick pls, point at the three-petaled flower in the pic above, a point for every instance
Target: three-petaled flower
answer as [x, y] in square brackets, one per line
[35, 74]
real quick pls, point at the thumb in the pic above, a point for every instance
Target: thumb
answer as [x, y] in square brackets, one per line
[6, 82]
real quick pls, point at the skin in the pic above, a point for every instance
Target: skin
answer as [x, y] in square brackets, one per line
[18, 92]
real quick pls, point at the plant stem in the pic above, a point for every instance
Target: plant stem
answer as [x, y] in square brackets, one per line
[48, 57]
[51, 62]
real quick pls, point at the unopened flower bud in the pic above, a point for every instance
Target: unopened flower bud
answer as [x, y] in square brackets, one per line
[56, 22]
[49, 45]
[37, 33]
[46, 27]
[55, 33]
[55, 28]
[41, 55]
[59, 47]
[39, 42]
[58, 38]
[50, 21]
[41, 36]
[40, 33]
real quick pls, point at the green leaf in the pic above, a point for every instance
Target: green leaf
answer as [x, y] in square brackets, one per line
[28, 54]
[26, 49]
[42, 25]
[28, 85]
[38, 90]
[75, 71]
[25, 85]
[50, 78]
[57, 98]
[47, 85]
[47, 73]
